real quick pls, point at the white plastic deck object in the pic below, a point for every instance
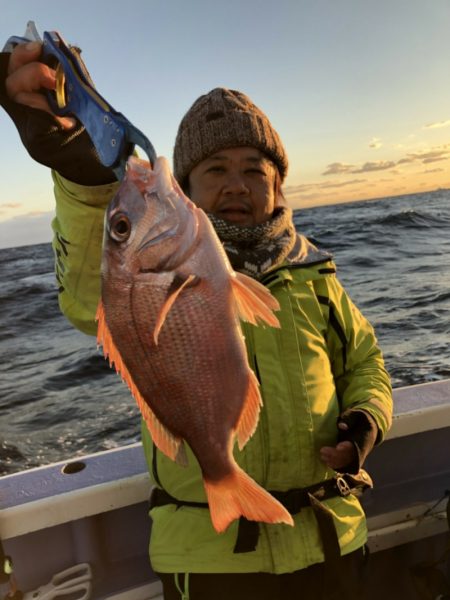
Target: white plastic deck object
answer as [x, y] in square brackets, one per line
[74, 583]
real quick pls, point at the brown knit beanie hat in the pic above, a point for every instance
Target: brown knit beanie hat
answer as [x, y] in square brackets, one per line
[222, 119]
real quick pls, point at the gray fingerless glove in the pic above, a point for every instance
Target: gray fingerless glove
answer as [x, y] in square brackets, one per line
[70, 153]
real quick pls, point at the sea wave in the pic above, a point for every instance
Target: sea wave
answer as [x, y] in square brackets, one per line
[59, 398]
[410, 218]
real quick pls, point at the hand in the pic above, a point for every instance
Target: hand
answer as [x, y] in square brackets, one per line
[357, 434]
[27, 77]
[60, 143]
[340, 456]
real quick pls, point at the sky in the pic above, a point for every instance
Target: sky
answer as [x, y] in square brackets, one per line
[359, 90]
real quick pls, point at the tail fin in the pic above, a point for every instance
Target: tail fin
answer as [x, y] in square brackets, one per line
[238, 494]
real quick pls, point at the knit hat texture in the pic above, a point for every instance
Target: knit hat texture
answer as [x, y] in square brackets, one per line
[221, 119]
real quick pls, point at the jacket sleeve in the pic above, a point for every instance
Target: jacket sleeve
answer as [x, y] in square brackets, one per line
[77, 245]
[361, 379]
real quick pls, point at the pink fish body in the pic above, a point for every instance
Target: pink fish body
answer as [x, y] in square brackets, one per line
[169, 320]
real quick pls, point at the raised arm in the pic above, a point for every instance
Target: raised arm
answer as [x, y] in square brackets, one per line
[83, 186]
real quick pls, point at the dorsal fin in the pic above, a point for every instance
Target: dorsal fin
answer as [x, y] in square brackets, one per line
[169, 444]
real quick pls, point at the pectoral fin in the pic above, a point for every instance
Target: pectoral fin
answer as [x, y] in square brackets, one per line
[254, 301]
[169, 444]
[176, 287]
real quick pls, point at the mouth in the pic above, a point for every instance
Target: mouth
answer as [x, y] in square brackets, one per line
[235, 213]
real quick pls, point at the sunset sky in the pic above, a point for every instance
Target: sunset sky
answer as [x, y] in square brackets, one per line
[358, 90]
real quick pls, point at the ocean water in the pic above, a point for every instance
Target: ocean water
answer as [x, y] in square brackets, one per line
[59, 399]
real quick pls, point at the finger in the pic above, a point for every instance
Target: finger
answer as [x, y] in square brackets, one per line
[30, 78]
[345, 454]
[332, 462]
[66, 122]
[344, 446]
[343, 426]
[24, 54]
[326, 454]
[338, 457]
[326, 450]
[36, 100]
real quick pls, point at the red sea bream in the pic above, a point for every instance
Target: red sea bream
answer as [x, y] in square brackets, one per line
[169, 321]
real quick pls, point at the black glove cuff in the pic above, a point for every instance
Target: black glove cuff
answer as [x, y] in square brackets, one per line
[69, 152]
[362, 432]
[4, 62]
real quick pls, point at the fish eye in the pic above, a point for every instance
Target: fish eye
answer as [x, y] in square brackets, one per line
[120, 227]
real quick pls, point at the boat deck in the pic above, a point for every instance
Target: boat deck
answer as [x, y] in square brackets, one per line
[95, 509]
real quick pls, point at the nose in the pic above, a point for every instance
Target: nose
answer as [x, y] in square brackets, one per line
[235, 184]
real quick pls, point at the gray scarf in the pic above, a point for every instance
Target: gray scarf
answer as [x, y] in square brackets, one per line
[257, 249]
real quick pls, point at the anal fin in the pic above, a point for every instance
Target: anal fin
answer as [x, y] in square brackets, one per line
[248, 419]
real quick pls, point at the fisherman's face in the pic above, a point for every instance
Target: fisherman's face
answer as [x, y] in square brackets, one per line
[236, 184]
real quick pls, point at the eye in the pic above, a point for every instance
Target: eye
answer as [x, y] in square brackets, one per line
[120, 227]
[256, 171]
[215, 169]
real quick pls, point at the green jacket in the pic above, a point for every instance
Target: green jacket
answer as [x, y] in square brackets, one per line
[309, 372]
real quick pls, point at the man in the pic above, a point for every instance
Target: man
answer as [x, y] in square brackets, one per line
[327, 397]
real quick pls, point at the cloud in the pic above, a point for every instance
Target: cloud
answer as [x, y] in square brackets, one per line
[10, 205]
[343, 174]
[375, 143]
[343, 168]
[437, 124]
[430, 154]
[298, 189]
[379, 165]
[337, 168]
[26, 230]
[315, 187]
[433, 170]
[425, 156]
[336, 184]
[434, 159]
[7, 207]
